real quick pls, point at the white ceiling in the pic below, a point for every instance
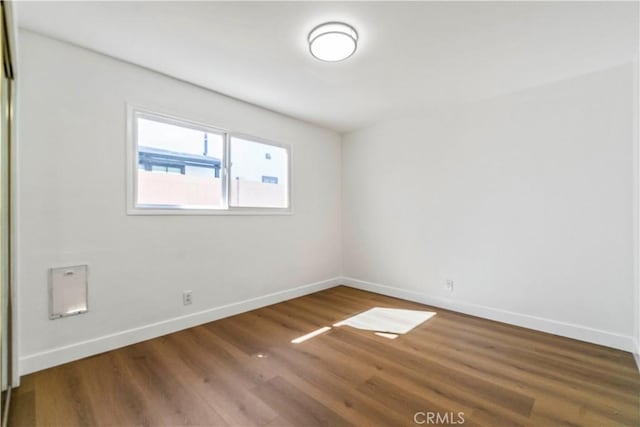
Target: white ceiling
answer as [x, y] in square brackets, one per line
[411, 56]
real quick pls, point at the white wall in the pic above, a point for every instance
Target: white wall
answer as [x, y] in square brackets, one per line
[525, 201]
[72, 209]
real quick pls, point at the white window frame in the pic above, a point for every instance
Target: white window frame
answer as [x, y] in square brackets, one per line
[133, 208]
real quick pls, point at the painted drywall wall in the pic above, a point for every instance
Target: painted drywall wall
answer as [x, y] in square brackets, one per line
[72, 208]
[524, 201]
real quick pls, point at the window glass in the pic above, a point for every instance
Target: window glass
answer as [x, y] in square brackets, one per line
[259, 174]
[178, 165]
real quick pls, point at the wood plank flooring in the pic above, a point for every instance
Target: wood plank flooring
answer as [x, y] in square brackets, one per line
[244, 371]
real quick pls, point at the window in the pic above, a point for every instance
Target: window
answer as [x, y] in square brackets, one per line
[258, 181]
[180, 166]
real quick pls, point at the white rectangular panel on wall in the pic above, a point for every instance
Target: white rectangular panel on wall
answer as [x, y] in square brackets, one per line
[67, 291]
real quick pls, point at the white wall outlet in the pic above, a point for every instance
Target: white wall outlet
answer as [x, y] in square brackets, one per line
[449, 285]
[187, 297]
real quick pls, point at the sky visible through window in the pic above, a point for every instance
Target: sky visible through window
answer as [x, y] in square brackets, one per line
[179, 139]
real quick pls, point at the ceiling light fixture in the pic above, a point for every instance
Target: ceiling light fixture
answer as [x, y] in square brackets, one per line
[333, 41]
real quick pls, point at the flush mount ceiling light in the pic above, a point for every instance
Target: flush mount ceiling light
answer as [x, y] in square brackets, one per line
[333, 41]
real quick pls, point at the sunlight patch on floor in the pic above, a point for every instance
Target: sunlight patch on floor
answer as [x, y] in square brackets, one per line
[387, 335]
[385, 322]
[310, 335]
[390, 320]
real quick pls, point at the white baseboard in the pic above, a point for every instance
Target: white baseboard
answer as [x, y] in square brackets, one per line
[582, 333]
[57, 356]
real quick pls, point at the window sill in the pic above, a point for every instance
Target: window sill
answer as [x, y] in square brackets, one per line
[211, 212]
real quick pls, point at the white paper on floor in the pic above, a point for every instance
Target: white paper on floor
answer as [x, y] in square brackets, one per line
[392, 320]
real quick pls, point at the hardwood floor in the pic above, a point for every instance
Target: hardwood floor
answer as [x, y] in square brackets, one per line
[244, 371]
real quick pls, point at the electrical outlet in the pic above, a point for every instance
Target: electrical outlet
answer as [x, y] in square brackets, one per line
[449, 284]
[187, 297]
